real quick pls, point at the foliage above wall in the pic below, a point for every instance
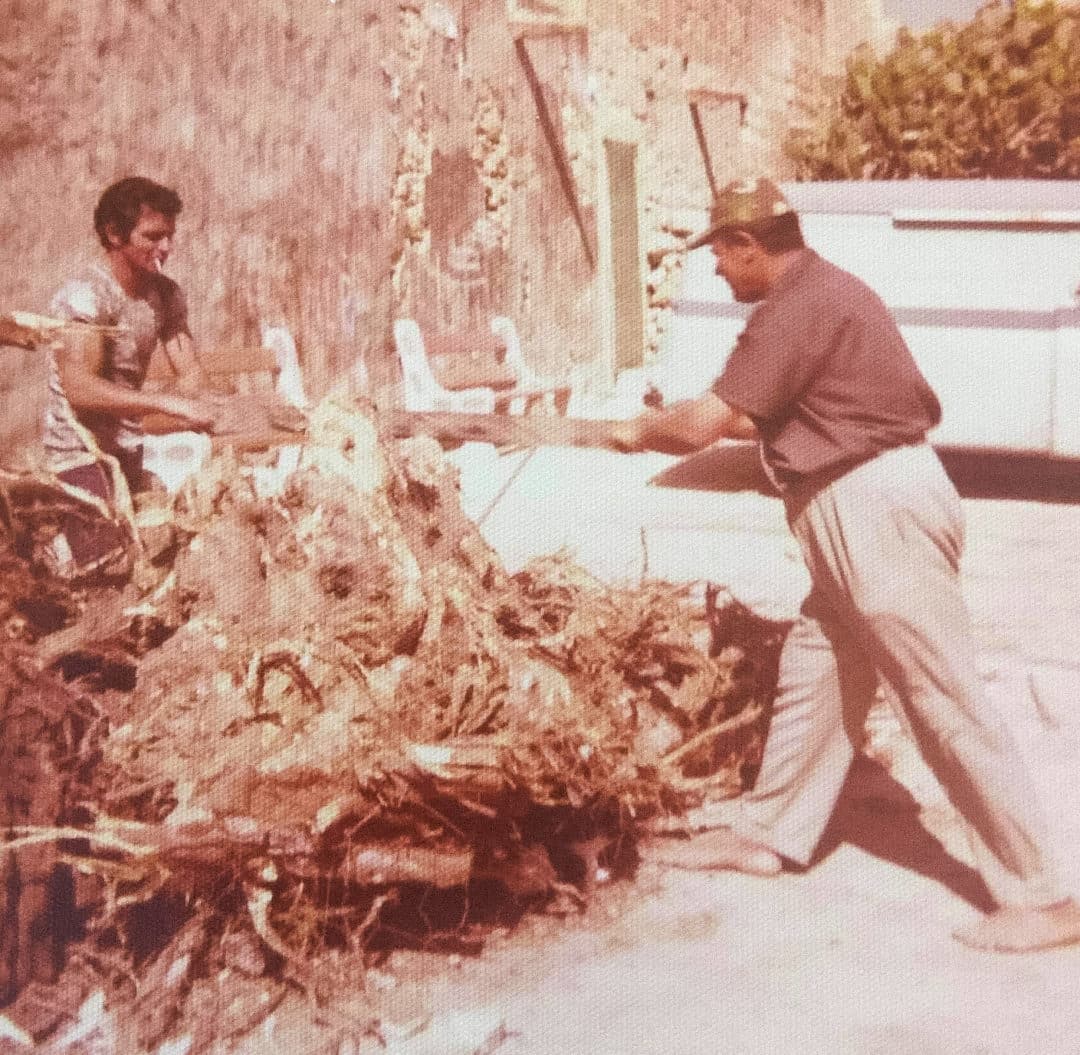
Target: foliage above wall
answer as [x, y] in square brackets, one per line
[997, 97]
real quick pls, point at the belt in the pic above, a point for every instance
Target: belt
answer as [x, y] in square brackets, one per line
[798, 494]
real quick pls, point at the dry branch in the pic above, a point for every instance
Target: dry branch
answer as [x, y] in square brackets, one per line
[347, 698]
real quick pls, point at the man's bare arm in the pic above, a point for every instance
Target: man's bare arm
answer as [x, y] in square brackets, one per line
[684, 427]
[191, 378]
[80, 359]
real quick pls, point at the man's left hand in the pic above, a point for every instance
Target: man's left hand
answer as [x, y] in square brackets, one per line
[625, 436]
[255, 414]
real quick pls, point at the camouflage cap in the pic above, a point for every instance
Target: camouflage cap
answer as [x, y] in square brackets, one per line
[742, 202]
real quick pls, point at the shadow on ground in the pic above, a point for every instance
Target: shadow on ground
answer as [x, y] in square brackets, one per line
[1012, 475]
[976, 473]
[879, 816]
[727, 467]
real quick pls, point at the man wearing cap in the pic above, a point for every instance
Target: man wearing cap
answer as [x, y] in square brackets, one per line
[823, 379]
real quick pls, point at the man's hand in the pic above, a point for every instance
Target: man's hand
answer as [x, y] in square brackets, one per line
[683, 428]
[234, 415]
[625, 436]
[253, 415]
[197, 413]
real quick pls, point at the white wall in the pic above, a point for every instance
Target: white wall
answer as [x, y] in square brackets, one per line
[990, 310]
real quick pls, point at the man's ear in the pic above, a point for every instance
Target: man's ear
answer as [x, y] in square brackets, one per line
[747, 241]
[113, 236]
[749, 247]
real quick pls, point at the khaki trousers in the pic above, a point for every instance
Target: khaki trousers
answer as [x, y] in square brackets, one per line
[883, 546]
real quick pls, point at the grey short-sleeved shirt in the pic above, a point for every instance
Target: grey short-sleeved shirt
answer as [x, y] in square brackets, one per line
[95, 296]
[823, 371]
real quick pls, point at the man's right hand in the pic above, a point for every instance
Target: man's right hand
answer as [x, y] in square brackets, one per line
[625, 436]
[196, 413]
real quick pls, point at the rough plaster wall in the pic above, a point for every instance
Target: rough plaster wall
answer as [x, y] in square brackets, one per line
[303, 138]
[345, 162]
[747, 46]
[274, 129]
[645, 56]
[492, 229]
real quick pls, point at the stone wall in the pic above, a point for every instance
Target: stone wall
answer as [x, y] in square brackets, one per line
[346, 161]
[646, 56]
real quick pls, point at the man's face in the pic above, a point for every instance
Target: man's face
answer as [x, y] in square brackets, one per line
[150, 242]
[742, 266]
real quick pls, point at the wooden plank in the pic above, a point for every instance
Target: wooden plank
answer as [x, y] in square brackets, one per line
[500, 430]
[557, 147]
[550, 17]
[260, 440]
[218, 362]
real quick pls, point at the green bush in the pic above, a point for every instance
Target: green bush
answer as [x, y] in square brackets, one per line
[996, 97]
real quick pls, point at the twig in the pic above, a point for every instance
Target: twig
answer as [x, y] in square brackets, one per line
[132, 791]
[747, 716]
[506, 486]
[558, 153]
[726, 781]
[29, 835]
[287, 656]
[372, 916]
[258, 906]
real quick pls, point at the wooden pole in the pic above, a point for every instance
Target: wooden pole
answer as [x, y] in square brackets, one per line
[703, 146]
[449, 428]
[500, 430]
[562, 165]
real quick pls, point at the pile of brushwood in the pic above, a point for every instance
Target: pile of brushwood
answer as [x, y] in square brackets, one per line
[321, 720]
[997, 97]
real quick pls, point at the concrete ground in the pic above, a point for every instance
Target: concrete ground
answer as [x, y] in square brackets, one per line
[854, 956]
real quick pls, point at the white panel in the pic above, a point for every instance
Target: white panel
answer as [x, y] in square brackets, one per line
[1066, 435]
[696, 347]
[955, 268]
[995, 386]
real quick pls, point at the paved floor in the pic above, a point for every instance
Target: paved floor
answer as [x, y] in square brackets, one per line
[855, 955]
[852, 957]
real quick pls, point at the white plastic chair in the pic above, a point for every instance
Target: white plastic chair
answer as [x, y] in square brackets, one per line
[527, 378]
[421, 390]
[597, 398]
[289, 385]
[174, 456]
[290, 381]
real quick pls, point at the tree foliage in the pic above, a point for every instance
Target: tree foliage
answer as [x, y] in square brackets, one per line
[997, 97]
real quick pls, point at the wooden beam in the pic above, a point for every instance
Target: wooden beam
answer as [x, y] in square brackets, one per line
[703, 146]
[715, 97]
[500, 430]
[555, 145]
[710, 97]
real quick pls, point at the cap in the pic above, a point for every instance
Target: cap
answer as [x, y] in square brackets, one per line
[742, 202]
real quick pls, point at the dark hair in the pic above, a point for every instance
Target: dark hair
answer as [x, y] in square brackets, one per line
[775, 234]
[120, 205]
